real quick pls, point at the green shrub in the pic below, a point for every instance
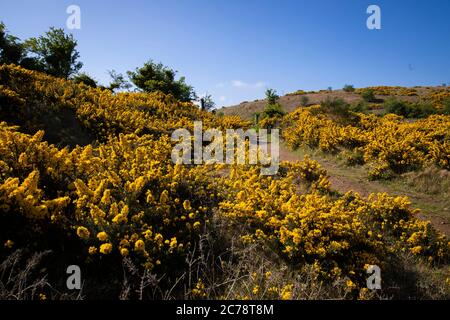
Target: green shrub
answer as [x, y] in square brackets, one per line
[86, 79]
[424, 110]
[446, 104]
[273, 110]
[368, 95]
[409, 110]
[360, 106]
[397, 107]
[348, 88]
[335, 106]
[304, 101]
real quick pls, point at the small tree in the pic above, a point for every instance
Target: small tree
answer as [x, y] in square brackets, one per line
[271, 96]
[273, 108]
[207, 103]
[157, 77]
[55, 53]
[348, 88]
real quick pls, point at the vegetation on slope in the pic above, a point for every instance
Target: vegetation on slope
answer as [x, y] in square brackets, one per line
[142, 227]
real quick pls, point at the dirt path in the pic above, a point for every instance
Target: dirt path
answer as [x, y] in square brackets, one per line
[344, 178]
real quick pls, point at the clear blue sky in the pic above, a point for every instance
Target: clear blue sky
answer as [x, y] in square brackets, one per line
[235, 49]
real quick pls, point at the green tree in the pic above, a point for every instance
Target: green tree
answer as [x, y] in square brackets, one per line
[14, 51]
[348, 88]
[11, 50]
[157, 77]
[118, 81]
[271, 96]
[273, 108]
[86, 79]
[56, 53]
[207, 102]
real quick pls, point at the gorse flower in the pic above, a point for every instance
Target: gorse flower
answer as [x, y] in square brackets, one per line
[106, 248]
[83, 232]
[9, 244]
[102, 236]
[139, 245]
[124, 252]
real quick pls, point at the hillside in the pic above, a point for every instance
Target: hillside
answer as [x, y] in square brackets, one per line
[86, 178]
[290, 102]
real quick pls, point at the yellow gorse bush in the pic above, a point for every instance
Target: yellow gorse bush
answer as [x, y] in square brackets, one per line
[390, 91]
[309, 225]
[100, 111]
[438, 96]
[387, 143]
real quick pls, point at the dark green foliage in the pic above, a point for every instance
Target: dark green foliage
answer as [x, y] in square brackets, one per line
[408, 109]
[446, 104]
[397, 107]
[55, 53]
[304, 101]
[271, 96]
[335, 106]
[118, 81]
[360, 106]
[11, 50]
[273, 108]
[368, 95]
[348, 88]
[86, 79]
[157, 77]
[207, 102]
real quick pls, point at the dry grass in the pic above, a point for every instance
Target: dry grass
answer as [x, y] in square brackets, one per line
[227, 268]
[23, 278]
[432, 180]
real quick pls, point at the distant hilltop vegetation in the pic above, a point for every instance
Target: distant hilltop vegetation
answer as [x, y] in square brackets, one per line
[375, 97]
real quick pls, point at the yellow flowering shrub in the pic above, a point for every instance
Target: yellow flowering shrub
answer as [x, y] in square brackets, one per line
[390, 91]
[438, 96]
[309, 225]
[386, 144]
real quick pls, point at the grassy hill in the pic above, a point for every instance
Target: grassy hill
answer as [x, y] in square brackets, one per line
[290, 102]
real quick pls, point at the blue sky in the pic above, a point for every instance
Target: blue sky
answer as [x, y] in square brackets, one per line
[235, 49]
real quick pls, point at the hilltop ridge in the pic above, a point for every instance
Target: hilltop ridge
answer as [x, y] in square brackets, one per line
[289, 102]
